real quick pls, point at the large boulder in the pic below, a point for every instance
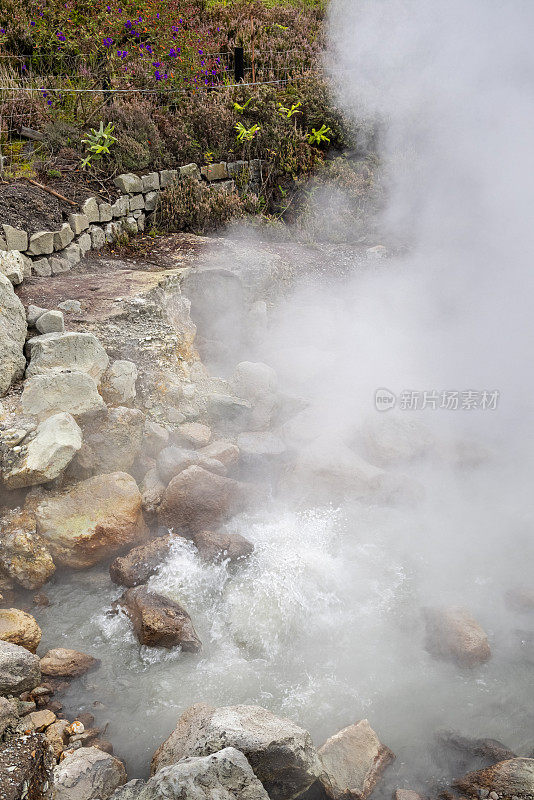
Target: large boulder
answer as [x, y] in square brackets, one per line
[88, 774]
[511, 778]
[197, 499]
[67, 351]
[213, 546]
[118, 383]
[12, 335]
[46, 455]
[280, 753]
[25, 767]
[19, 669]
[92, 520]
[453, 634]
[353, 761]
[141, 562]
[61, 662]
[225, 775]
[111, 442]
[20, 628]
[158, 621]
[467, 753]
[24, 557]
[48, 393]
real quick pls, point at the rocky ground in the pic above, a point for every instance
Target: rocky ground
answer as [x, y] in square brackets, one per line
[115, 438]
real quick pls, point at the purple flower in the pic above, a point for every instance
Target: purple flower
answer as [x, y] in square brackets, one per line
[61, 36]
[107, 42]
[32, 23]
[173, 53]
[2, 30]
[158, 76]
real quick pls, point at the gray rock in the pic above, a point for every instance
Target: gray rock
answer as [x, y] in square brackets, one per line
[12, 266]
[150, 182]
[141, 222]
[98, 237]
[137, 202]
[112, 231]
[128, 183]
[151, 200]
[19, 669]
[90, 209]
[53, 392]
[51, 322]
[59, 265]
[253, 380]
[168, 176]
[353, 761]
[235, 168]
[111, 441]
[215, 172]
[121, 206]
[33, 313]
[8, 715]
[78, 223]
[70, 306]
[63, 237]
[129, 226]
[226, 775]
[12, 335]
[41, 243]
[156, 437]
[118, 382]
[27, 265]
[67, 351]
[56, 442]
[41, 267]
[105, 212]
[15, 238]
[3, 244]
[72, 253]
[190, 171]
[84, 242]
[280, 753]
[514, 777]
[88, 774]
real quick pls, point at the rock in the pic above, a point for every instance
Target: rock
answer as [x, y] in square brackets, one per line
[39, 720]
[88, 774]
[152, 491]
[137, 202]
[511, 778]
[70, 306]
[252, 380]
[376, 253]
[8, 715]
[56, 442]
[453, 634]
[128, 183]
[84, 243]
[225, 775]
[225, 452]
[72, 253]
[41, 244]
[192, 434]
[51, 322]
[67, 351]
[190, 171]
[467, 753]
[63, 237]
[59, 265]
[78, 223]
[200, 500]
[19, 628]
[25, 767]
[15, 238]
[90, 209]
[52, 392]
[19, 669]
[92, 520]
[280, 753]
[407, 794]
[141, 562]
[156, 437]
[23, 555]
[33, 313]
[158, 621]
[12, 335]
[112, 441]
[150, 182]
[118, 383]
[129, 226]
[353, 761]
[121, 206]
[168, 176]
[57, 738]
[214, 172]
[105, 212]
[173, 460]
[42, 267]
[222, 546]
[63, 663]
[98, 237]
[258, 446]
[151, 200]
[12, 266]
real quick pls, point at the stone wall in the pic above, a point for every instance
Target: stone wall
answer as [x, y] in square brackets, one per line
[98, 223]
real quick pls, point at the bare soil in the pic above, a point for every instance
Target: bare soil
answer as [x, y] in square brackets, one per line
[25, 206]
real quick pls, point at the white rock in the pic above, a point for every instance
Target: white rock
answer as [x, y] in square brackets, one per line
[55, 444]
[137, 202]
[41, 243]
[121, 206]
[50, 322]
[98, 237]
[78, 223]
[66, 351]
[63, 237]
[151, 200]
[12, 335]
[53, 392]
[15, 238]
[87, 774]
[90, 209]
[105, 212]
[33, 313]
[72, 253]
[84, 242]
[41, 267]
[128, 183]
[12, 266]
[118, 382]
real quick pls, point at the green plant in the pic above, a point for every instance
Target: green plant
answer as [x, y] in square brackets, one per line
[53, 173]
[319, 136]
[97, 143]
[240, 109]
[289, 112]
[246, 134]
